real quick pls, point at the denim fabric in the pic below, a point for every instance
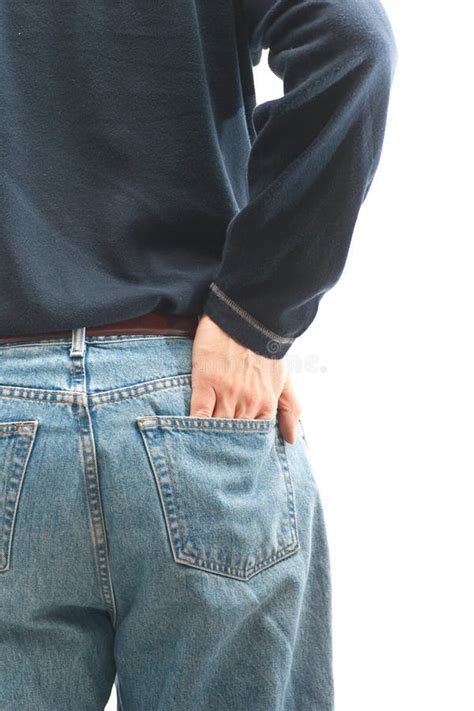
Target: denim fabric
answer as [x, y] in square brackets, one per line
[184, 558]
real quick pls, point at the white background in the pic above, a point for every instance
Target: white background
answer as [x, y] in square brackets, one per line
[391, 420]
[385, 376]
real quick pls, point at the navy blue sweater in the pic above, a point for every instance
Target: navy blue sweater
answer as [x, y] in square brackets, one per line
[138, 172]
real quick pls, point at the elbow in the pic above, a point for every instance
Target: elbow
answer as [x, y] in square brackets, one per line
[373, 36]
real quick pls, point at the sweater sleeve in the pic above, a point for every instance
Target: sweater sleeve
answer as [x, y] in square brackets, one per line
[311, 164]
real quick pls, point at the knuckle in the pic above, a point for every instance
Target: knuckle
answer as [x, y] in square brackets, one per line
[202, 412]
[231, 390]
[216, 378]
[223, 385]
[251, 401]
[200, 381]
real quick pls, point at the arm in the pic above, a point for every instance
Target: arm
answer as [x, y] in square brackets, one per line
[311, 164]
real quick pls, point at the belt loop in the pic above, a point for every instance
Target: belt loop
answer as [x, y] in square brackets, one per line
[78, 342]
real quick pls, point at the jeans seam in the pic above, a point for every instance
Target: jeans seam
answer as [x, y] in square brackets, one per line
[213, 424]
[7, 530]
[71, 397]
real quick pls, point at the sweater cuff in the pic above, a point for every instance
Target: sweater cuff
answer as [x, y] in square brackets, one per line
[243, 327]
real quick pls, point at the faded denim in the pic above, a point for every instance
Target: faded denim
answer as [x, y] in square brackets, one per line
[184, 558]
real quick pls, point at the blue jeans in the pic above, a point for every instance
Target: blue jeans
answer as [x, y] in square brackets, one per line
[183, 558]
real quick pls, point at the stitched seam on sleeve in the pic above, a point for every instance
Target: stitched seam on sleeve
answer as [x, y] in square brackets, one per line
[248, 317]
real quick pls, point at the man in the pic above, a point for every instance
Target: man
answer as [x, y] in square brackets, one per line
[163, 242]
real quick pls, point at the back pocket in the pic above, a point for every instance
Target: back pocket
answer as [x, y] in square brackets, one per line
[16, 441]
[226, 491]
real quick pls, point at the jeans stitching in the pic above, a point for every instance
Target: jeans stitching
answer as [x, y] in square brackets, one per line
[68, 397]
[173, 518]
[171, 525]
[224, 424]
[23, 445]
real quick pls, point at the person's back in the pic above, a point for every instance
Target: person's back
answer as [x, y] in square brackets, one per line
[123, 154]
[139, 177]
[125, 134]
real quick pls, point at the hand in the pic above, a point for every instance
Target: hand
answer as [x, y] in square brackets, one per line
[229, 380]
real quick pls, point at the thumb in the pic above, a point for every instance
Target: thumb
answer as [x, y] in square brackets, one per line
[289, 411]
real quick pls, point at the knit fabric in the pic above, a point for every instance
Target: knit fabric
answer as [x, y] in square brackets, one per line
[138, 172]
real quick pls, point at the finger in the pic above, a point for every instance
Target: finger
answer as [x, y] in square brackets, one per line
[266, 414]
[247, 407]
[268, 408]
[224, 407]
[203, 400]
